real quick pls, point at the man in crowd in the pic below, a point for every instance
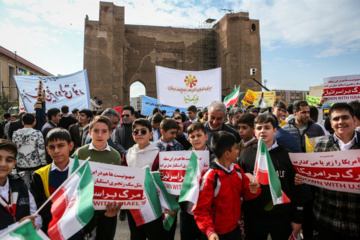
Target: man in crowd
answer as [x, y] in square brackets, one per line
[54, 117]
[279, 109]
[191, 112]
[7, 117]
[302, 124]
[77, 130]
[75, 113]
[356, 106]
[123, 135]
[205, 115]
[233, 115]
[217, 113]
[66, 119]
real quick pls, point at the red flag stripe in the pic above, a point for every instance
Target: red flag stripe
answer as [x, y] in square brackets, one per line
[58, 208]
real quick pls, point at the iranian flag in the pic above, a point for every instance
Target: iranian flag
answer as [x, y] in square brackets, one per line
[23, 231]
[265, 174]
[191, 184]
[233, 98]
[72, 206]
[151, 206]
[166, 200]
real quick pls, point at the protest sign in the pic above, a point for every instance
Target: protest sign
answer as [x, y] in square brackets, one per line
[342, 88]
[268, 97]
[249, 98]
[71, 90]
[116, 183]
[337, 171]
[312, 101]
[148, 104]
[185, 88]
[174, 164]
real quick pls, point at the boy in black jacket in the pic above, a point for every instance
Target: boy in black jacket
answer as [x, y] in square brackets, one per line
[260, 216]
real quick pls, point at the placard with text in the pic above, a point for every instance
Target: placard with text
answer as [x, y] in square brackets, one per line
[173, 165]
[337, 171]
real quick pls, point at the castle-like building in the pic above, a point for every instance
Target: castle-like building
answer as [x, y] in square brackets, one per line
[117, 55]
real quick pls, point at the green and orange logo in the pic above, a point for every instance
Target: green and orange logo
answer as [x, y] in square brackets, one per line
[190, 81]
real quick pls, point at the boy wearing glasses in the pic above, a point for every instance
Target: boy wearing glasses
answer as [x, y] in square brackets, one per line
[143, 154]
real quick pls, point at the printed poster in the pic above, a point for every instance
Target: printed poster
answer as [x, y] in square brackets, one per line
[342, 89]
[337, 171]
[173, 165]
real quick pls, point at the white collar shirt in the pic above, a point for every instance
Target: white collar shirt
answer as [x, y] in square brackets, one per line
[92, 147]
[345, 146]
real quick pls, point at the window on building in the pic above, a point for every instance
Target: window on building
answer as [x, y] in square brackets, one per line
[253, 27]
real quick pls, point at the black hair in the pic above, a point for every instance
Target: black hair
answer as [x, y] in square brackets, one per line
[168, 123]
[177, 110]
[183, 116]
[28, 119]
[163, 112]
[327, 125]
[279, 104]
[192, 108]
[266, 118]
[64, 109]
[155, 110]
[289, 108]
[299, 104]
[57, 134]
[253, 110]
[340, 107]
[87, 112]
[356, 106]
[7, 115]
[314, 113]
[157, 118]
[143, 122]
[205, 110]
[52, 112]
[100, 119]
[127, 107]
[8, 146]
[196, 126]
[247, 118]
[75, 110]
[221, 142]
[136, 114]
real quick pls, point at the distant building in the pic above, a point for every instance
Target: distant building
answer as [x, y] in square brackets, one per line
[136, 102]
[116, 54]
[290, 96]
[11, 64]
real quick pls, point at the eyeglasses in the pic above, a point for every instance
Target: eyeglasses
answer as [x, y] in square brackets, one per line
[141, 132]
[125, 115]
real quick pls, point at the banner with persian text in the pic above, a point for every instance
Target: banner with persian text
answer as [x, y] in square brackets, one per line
[182, 89]
[173, 165]
[148, 104]
[342, 88]
[249, 98]
[337, 171]
[116, 183]
[71, 90]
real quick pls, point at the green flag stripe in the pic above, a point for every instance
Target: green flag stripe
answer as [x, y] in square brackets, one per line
[26, 231]
[149, 190]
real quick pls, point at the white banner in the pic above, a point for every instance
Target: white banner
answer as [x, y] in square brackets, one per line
[337, 171]
[71, 90]
[342, 89]
[174, 164]
[181, 89]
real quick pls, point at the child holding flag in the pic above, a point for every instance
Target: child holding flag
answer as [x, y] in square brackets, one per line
[143, 154]
[266, 214]
[218, 209]
[13, 191]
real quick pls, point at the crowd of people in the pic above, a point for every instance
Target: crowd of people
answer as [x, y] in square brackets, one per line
[34, 163]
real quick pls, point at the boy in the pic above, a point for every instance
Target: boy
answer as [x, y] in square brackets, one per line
[47, 179]
[17, 203]
[100, 151]
[260, 216]
[77, 130]
[168, 130]
[197, 137]
[218, 209]
[31, 147]
[143, 154]
[245, 126]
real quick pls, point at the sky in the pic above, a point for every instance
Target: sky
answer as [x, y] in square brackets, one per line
[302, 41]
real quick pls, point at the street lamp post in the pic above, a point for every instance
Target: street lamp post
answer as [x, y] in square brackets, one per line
[252, 74]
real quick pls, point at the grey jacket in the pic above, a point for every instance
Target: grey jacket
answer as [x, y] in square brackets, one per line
[312, 130]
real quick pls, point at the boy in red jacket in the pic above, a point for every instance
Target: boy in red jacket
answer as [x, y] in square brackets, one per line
[218, 209]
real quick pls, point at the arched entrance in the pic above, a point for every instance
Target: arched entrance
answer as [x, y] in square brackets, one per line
[137, 89]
